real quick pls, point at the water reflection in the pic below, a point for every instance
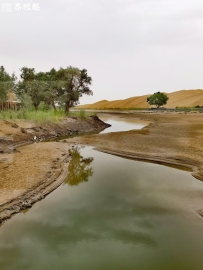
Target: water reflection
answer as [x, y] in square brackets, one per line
[128, 216]
[79, 169]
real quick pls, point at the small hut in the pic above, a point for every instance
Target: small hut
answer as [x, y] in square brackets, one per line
[12, 103]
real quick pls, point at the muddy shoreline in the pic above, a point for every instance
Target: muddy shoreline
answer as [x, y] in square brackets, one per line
[29, 198]
[18, 133]
[34, 168]
[170, 139]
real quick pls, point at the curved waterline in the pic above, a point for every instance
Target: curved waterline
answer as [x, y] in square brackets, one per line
[121, 214]
[126, 213]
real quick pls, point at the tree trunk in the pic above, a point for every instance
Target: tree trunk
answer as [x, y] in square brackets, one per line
[53, 104]
[67, 108]
[36, 106]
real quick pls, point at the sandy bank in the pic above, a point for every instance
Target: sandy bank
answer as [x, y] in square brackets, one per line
[13, 134]
[29, 173]
[171, 139]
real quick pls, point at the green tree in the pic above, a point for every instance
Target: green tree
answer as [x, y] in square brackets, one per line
[26, 102]
[27, 75]
[38, 92]
[34, 85]
[50, 86]
[72, 84]
[7, 82]
[158, 99]
[64, 86]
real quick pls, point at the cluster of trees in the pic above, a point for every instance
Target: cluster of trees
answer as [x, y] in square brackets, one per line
[63, 87]
[7, 82]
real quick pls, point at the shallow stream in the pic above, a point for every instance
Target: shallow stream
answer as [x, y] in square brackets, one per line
[110, 213]
[121, 123]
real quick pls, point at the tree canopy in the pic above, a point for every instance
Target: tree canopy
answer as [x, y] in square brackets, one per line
[158, 99]
[6, 83]
[73, 83]
[64, 86]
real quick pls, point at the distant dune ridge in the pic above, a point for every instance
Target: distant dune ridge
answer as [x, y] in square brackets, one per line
[182, 98]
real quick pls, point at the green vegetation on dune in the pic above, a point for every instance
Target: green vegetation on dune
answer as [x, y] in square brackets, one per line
[182, 98]
[158, 99]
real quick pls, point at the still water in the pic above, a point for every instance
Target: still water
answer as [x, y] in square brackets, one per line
[121, 122]
[110, 213]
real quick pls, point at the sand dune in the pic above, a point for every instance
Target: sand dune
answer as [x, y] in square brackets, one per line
[182, 98]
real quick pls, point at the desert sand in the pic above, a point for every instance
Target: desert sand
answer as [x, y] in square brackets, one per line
[182, 98]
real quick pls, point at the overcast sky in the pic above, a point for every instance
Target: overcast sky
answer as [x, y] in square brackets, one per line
[129, 47]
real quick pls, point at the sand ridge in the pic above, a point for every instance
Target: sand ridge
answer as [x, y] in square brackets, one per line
[182, 98]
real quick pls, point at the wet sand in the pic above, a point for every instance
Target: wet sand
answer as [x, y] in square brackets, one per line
[30, 174]
[171, 138]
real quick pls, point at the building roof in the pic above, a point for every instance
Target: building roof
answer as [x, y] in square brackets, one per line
[11, 97]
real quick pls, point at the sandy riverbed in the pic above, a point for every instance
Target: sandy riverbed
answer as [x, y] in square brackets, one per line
[173, 138]
[37, 169]
[30, 172]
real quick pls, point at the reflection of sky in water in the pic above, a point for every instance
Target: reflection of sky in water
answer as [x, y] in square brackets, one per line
[129, 215]
[121, 123]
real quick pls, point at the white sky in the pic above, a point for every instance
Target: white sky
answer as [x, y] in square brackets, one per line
[129, 47]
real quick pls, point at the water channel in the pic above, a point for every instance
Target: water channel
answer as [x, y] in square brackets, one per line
[110, 213]
[121, 123]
